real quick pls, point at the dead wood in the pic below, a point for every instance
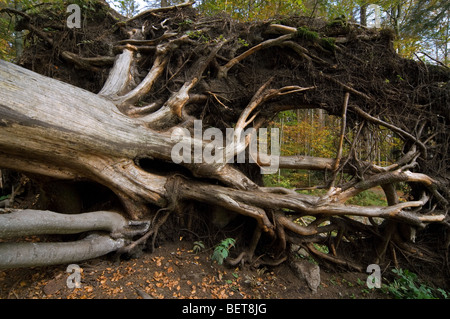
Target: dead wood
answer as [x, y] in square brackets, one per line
[118, 126]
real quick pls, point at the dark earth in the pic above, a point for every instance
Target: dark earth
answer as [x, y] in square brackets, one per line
[174, 271]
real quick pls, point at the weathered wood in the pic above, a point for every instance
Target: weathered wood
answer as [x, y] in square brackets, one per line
[35, 222]
[53, 128]
[17, 255]
[45, 122]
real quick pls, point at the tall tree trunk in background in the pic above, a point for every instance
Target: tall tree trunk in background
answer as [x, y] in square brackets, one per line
[363, 14]
[396, 14]
[18, 35]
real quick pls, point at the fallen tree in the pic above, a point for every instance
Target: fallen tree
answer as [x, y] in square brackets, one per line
[136, 133]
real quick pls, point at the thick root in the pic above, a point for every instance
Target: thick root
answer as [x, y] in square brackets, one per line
[38, 222]
[17, 255]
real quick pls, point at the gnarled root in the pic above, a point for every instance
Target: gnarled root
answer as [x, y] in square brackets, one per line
[34, 222]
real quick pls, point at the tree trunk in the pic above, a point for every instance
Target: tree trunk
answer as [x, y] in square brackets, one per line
[363, 15]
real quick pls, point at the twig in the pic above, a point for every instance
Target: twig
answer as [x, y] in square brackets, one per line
[157, 10]
[217, 99]
[333, 259]
[143, 294]
[437, 61]
[266, 44]
[345, 86]
[369, 117]
[341, 140]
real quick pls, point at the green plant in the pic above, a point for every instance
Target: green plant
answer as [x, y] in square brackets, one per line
[198, 35]
[322, 248]
[407, 286]
[198, 246]
[350, 284]
[368, 198]
[243, 42]
[333, 281]
[222, 250]
[187, 22]
[328, 43]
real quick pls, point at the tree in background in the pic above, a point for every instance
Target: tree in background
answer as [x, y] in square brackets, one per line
[6, 35]
[11, 38]
[161, 3]
[430, 22]
[422, 27]
[128, 8]
[419, 25]
[253, 9]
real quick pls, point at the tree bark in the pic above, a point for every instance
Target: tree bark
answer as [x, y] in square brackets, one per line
[363, 14]
[35, 222]
[18, 255]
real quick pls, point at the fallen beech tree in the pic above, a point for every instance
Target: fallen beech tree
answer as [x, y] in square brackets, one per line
[137, 134]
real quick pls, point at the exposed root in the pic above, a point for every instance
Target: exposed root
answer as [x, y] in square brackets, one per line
[16, 255]
[170, 70]
[333, 259]
[142, 241]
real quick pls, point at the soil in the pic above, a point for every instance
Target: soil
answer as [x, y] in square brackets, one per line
[174, 271]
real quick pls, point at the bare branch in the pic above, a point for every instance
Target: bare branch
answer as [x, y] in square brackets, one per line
[263, 45]
[157, 10]
[390, 126]
[261, 96]
[341, 140]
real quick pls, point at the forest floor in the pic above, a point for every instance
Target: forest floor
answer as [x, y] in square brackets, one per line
[174, 271]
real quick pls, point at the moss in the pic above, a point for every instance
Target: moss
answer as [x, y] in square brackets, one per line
[305, 33]
[339, 22]
[328, 43]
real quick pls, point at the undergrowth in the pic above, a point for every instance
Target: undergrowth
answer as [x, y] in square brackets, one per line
[222, 250]
[406, 285]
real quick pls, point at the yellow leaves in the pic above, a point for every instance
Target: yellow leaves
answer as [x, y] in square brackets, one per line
[158, 260]
[178, 274]
[246, 11]
[163, 281]
[117, 276]
[219, 293]
[116, 290]
[102, 280]
[89, 288]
